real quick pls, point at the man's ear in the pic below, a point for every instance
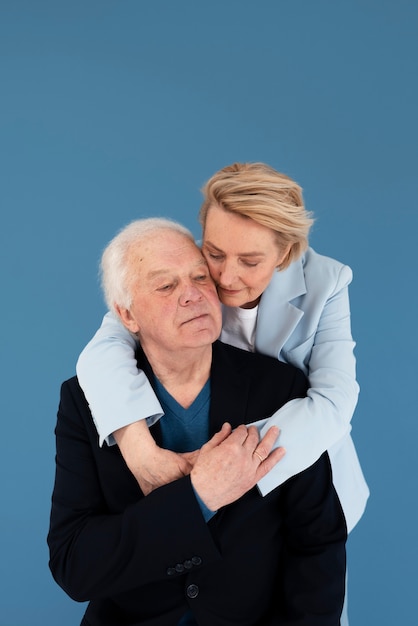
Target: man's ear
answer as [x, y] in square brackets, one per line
[127, 318]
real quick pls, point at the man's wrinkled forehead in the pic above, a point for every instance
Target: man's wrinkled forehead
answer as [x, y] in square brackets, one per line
[165, 251]
[168, 268]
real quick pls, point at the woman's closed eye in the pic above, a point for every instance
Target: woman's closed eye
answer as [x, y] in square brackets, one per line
[215, 257]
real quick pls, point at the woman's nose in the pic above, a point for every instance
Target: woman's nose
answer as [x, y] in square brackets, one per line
[228, 273]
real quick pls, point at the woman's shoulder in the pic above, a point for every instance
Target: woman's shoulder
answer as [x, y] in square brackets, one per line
[324, 269]
[312, 257]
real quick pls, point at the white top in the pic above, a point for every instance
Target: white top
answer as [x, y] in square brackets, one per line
[303, 318]
[238, 327]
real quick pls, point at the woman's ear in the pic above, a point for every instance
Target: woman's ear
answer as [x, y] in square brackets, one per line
[283, 256]
[127, 318]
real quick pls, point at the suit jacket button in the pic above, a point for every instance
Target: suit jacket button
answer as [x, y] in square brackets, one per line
[179, 568]
[188, 564]
[196, 560]
[192, 591]
[171, 571]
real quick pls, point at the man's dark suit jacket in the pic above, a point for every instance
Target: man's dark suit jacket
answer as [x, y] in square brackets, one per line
[277, 560]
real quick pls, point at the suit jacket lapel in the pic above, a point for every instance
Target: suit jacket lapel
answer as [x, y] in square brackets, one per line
[228, 400]
[144, 365]
[229, 392]
[277, 316]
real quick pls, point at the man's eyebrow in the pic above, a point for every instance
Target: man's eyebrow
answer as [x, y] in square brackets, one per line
[168, 270]
[245, 254]
[155, 273]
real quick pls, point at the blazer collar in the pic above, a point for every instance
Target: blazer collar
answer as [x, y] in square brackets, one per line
[277, 316]
[229, 388]
[229, 391]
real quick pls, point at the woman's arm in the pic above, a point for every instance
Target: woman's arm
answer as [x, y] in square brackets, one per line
[123, 404]
[311, 425]
[117, 392]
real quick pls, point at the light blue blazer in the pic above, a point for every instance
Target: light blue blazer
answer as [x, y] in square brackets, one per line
[303, 319]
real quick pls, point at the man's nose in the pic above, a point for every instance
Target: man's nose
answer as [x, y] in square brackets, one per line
[190, 293]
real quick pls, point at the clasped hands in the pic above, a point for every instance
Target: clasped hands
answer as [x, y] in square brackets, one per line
[223, 470]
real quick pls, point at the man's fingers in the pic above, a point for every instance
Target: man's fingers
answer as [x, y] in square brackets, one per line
[271, 436]
[266, 444]
[263, 451]
[219, 437]
[273, 458]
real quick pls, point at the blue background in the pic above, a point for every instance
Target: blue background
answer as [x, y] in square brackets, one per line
[113, 110]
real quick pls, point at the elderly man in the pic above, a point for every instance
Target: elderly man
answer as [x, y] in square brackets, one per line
[205, 549]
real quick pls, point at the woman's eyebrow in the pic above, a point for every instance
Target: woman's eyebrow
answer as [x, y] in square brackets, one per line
[246, 254]
[255, 253]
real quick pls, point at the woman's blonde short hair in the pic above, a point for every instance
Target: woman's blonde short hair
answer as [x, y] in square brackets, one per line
[259, 192]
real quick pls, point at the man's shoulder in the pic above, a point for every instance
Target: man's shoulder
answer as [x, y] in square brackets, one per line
[71, 391]
[249, 386]
[72, 383]
[236, 359]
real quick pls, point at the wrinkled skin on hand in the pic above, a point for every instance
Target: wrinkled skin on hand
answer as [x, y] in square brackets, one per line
[232, 463]
[225, 468]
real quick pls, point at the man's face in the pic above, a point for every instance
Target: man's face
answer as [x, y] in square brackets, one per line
[174, 301]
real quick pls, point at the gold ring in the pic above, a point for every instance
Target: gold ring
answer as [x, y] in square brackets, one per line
[259, 456]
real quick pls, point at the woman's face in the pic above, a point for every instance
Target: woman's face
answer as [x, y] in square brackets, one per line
[242, 256]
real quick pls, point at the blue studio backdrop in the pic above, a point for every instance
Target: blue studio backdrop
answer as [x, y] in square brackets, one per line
[113, 110]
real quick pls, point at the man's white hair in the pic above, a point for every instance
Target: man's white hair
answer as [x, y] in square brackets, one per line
[115, 262]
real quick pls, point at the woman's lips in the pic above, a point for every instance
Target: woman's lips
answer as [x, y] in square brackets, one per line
[229, 292]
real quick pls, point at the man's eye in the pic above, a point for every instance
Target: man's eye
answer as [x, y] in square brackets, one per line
[215, 257]
[201, 277]
[164, 288]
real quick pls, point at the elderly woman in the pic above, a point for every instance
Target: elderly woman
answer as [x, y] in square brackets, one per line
[279, 297]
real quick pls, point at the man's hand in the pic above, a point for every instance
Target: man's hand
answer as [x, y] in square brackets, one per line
[225, 468]
[152, 466]
[232, 463]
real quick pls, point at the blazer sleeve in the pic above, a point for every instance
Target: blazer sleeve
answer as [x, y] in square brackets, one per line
[314, 553]
[311, 425]
[99, 545]
[117, 392]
